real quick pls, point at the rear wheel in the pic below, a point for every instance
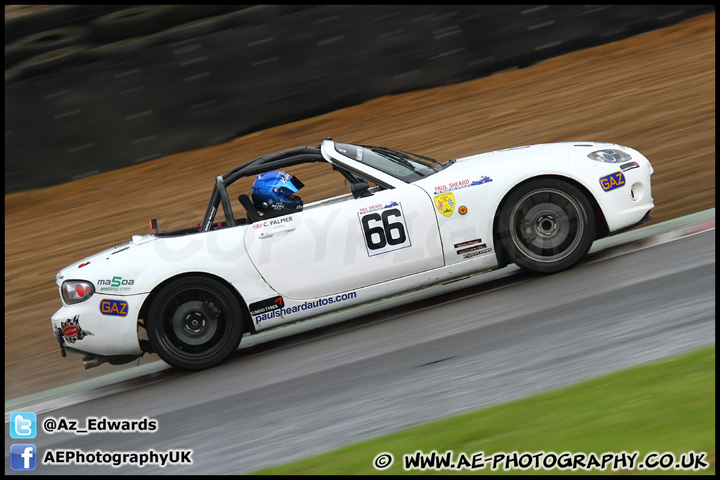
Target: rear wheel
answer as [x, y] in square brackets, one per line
[195, 323]
[546, 226]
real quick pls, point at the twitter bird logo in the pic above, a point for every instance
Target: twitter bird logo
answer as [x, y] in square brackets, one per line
[23, 425]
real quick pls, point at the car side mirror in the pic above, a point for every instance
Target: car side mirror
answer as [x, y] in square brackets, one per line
[360, 189]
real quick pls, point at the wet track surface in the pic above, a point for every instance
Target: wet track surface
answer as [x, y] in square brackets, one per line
[298, 396]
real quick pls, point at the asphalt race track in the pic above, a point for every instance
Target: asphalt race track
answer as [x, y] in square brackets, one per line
[294, 397]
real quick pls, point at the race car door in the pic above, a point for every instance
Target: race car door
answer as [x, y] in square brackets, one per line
[345, 245]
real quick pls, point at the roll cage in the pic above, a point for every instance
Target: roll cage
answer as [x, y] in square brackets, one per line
[274, 161]
[265, 163]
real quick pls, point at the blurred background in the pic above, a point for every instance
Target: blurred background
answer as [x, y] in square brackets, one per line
[93, 88]
[116, 114]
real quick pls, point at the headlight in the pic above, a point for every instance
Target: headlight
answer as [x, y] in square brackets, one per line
[609, 156]
[76, 291]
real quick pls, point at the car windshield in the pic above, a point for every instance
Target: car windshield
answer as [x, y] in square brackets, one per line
[406, 166]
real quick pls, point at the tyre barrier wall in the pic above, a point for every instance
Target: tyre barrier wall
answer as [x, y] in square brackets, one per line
[97, 88]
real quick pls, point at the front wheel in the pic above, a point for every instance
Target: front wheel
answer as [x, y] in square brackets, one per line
[546, 226]
[195, 323]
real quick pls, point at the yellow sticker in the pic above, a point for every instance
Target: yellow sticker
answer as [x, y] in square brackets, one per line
[445, 203]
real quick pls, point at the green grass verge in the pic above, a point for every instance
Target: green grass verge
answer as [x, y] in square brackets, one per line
[666, 407]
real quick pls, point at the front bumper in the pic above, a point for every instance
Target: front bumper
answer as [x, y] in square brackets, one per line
[84, 328]
[628, 205]
[645, 219]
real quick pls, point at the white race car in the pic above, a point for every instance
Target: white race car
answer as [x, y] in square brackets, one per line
[405, 222]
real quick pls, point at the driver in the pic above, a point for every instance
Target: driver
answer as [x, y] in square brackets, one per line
[273, 194]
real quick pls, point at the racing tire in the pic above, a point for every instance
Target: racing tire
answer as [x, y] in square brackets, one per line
[14, 74]
[546, 226]
[195, 323]
[14, 54]
[54, 59]
[136, 21]
[196, 28]
[121, 47]
[46, 41]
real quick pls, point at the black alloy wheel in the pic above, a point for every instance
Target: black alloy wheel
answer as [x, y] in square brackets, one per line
[195, 323]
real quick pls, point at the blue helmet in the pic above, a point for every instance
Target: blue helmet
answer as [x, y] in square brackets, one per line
[274, 192]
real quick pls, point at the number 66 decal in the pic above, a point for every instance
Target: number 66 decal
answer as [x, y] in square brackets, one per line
[384, 230]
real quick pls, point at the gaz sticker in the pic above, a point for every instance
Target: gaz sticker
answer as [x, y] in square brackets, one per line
[612, 181]
[117, 308]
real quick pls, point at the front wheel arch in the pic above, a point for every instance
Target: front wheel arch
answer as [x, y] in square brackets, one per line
[601, 227]
[195, 322]
[248, 325]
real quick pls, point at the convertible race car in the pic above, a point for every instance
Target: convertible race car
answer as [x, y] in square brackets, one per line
[397, 222]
